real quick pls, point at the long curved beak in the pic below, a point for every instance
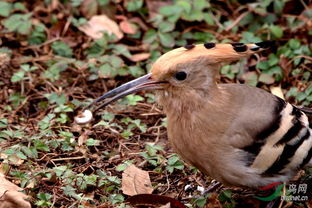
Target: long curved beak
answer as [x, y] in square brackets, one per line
[142, 83]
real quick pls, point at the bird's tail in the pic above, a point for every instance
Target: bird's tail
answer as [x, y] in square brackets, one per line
[308, 112]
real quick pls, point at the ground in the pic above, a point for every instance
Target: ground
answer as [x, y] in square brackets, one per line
[52, 64]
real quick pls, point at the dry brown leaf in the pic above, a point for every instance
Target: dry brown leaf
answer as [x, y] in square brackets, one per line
[128, 27]
[11, 195]
[139, 57]
[136, 181]
[97, 24]
[277, 91]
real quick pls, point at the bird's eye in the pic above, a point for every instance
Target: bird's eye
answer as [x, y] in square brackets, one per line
[180, 75]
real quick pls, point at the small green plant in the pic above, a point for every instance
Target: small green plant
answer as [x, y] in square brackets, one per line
[23, 73]
[270, 70]
[151, 154]
[225, 197]
[304, 97]
[44, 200]
[38, 35]
[124, 165]
[199, 201]
[20, 23]
[174, 162]
[62, 49]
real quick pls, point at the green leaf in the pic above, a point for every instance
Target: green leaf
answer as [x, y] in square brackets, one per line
[44, 200]
[208, 18]
[200, 5]
[277, 31]
[44, 196]
[19, 6]
[18, 76]
[200, 202]
[103, 2]
[116, 198]
[278, 6]
[136, 71]
[38, 35]
[264, 65]
[173, 159]
[116, 62]
[126, 134]
[249, 37]
[53, 72]
[266, 78]
[92, 142]
[134, 5]
[62, 49]
[56, 98]
[292, 92]
[106, 71]
[76, 3]
[46, 121]
[186, 5]
[124, 165]
[40, 145]
[63, 108]
[121, 49]
[71, 191]
[166, 26]
[150, 36]
[59, 170]
[28, 68]
[20, 23]
[63, 118]
[133, 99]
[30, 151]
[294, 44]
[170, 10]
[3, 122]
[225, 195]
[308, 91]
[251, 78]
[21, 155]
[273, 60]
[5, 8]
[301, 96]
[166, 40]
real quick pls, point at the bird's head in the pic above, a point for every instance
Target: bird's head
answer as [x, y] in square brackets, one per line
[185, 69]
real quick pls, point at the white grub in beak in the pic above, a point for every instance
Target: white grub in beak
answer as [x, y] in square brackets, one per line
[84, 117]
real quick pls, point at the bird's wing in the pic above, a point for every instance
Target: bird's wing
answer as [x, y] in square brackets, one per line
[277, 134]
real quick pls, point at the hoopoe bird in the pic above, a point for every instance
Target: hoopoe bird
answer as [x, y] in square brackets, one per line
[238, 134]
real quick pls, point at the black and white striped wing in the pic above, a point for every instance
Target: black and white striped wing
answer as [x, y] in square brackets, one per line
[285, 146]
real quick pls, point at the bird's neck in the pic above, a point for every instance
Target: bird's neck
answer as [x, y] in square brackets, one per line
[186, 102]
[194, 125]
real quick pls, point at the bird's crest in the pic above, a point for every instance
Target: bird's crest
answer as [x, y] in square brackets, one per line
[208, 53]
